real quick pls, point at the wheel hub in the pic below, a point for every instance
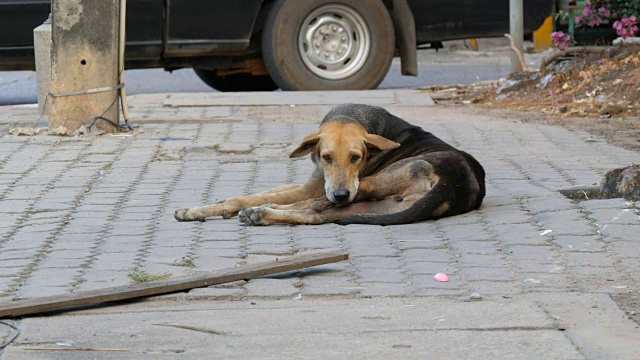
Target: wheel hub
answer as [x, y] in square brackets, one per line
[334, 42]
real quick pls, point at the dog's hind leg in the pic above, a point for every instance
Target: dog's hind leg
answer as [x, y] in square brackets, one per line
[264, 215]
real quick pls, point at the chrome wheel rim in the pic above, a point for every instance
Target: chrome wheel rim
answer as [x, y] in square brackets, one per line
[334, 42]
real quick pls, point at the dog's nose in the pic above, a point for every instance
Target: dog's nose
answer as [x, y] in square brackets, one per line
[341, 194]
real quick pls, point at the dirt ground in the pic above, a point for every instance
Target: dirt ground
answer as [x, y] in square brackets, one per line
[598, 92]
[630, 304]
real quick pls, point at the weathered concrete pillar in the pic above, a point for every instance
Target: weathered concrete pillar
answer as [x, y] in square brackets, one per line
[84, 58]
[42, 47]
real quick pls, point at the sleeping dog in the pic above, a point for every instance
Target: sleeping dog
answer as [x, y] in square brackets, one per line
[371, 168]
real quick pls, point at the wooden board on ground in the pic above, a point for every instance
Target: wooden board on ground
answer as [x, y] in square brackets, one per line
[84, 298]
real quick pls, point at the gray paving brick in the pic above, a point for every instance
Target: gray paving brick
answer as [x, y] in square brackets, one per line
[430, 255]
[475, 247]
[374, 251]
[590, 259]
[531, 252]
[615, 216]
[214, 293]
[604, 203]
[381, 276]
[540, 281]
[488, 261]
[313, 290]
[591, 272]
[124, 220]
[427, 281]
[548, 204]
[579, 243]
[273, 249]
[438, 292]
[419, 244]
[494, 287]
[377, 262]
[431, 268]
[278, 288]
[626, 249]
[541, 266]
[466, 232]
[488, 274]
[615, 232]
[610, 286]
[386, 290]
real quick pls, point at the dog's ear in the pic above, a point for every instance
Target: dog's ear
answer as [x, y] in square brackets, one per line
[307, 145]
[377, 143]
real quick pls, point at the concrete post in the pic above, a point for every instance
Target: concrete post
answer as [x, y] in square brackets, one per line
[516, 22]
[42, 48]
[84, 59]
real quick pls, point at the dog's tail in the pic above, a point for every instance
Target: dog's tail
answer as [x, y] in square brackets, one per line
[423, 209]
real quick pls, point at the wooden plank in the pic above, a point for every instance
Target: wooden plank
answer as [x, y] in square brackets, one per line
[84, 298]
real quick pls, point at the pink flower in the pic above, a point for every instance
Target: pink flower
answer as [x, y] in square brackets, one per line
[626, 27]
[604, 12]
[595, 21]
[560, 40]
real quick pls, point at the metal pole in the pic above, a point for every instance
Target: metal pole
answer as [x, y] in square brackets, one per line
[516, 22]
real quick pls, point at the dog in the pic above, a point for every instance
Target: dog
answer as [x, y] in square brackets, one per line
[371, 168]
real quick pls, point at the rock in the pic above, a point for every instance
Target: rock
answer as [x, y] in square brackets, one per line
[622, 183]
[475, 296]
[82, 131]
[59, 131]
[24, 131]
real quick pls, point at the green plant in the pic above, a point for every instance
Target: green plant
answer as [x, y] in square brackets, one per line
[621, 14]
[141, 276]
[185, 261]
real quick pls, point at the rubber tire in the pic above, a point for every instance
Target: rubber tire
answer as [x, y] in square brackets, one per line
[236, 82]
[280, 46]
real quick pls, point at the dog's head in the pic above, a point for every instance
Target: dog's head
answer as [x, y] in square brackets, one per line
[341, 150]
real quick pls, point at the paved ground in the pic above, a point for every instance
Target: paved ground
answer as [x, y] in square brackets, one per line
[84, 213]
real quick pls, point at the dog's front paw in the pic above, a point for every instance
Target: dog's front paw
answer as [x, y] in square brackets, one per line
[187, 215]
[252, 216]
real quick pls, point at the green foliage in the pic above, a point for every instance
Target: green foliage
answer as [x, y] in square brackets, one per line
[185, 261]
[624, 8]
[141, 276]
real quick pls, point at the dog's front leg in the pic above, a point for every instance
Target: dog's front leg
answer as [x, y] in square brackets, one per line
[232, 206]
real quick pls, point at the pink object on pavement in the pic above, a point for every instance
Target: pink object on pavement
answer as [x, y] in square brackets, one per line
[441, 277]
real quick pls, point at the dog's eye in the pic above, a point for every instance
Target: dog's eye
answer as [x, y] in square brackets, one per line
[354, 159]
[327, 158]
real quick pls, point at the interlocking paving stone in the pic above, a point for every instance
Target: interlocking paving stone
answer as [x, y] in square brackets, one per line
[87, 212]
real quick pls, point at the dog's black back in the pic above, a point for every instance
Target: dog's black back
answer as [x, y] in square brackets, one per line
[462, 178]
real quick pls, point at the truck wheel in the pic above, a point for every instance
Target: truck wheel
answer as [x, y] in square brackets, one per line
[236, 82]
[328, 44]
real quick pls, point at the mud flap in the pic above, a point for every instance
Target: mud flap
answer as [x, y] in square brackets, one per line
[405, 28]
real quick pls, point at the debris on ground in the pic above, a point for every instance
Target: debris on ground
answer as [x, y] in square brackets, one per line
[440, 277]
[600, 83]
[597, 92]
[60, 131]
[22, 131]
